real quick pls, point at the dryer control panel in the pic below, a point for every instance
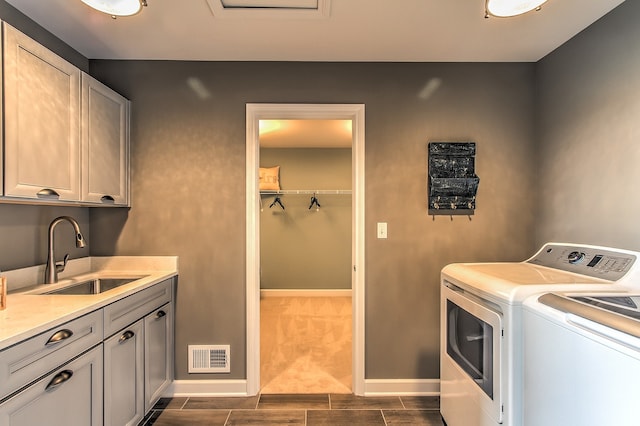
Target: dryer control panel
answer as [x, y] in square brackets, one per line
[593, 261]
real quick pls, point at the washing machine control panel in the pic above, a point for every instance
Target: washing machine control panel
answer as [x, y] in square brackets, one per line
[593, 261]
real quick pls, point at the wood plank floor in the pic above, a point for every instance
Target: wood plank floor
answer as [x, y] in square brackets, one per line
[297, 409]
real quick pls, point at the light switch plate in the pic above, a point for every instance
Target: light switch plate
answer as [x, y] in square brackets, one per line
[382, 230]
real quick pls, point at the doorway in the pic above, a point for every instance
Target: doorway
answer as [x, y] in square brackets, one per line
[255, 113]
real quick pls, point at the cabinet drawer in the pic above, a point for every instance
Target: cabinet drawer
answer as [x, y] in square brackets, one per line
[130, 309]
[26, 361]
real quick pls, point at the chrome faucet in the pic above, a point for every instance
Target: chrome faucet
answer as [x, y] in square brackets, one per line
[52, 268]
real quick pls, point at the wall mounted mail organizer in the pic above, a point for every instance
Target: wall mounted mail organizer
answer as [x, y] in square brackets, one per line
[452, 182]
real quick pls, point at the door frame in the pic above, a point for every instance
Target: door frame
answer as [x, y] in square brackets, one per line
[254, 113]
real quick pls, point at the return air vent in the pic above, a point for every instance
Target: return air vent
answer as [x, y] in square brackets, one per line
[209, 359]
[270, 9]
[270, 4]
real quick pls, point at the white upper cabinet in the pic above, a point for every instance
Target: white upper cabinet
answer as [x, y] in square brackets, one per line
[105, 144]
[66, 135]
[41, 121]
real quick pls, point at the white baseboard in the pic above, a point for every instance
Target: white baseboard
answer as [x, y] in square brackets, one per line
[372, 387]
[399, 387]
[305, 293]
[207, 388]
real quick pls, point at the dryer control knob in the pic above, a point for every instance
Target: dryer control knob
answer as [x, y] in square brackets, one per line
[575, 257]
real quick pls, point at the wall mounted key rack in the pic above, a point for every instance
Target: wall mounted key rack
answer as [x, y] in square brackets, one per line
[452, 183]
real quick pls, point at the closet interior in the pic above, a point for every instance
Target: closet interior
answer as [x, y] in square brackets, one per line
[305, 256]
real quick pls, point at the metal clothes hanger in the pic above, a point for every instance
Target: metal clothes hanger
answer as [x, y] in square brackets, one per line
[278, 202]
[314, 200]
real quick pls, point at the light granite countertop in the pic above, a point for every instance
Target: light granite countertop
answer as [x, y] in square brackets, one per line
[28, 313]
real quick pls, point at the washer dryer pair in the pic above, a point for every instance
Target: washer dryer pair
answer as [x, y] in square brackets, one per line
[482, 345]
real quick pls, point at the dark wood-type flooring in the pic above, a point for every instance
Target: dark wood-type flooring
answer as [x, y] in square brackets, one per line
[296, 409]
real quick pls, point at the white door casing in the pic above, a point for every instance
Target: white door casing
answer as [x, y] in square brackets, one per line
[255, 113]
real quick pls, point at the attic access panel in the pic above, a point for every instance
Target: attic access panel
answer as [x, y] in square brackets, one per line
[270, 4]
[270, 9]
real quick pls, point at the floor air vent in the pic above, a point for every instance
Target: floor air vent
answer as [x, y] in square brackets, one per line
[209, 359]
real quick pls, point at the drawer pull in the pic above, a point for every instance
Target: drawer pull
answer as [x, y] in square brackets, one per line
[126, 336]
[47, 193]
[160, 314]
[59, 379]
[59, 336]
[107, 199]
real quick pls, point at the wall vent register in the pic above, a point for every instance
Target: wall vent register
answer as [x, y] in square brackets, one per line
[209, 359]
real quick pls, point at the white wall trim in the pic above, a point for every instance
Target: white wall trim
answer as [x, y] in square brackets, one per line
[399, 387]
[373, 387]
[255, 113]
[207, 388]
[305, 293]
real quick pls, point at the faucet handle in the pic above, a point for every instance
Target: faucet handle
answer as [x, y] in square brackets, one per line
[60, 266]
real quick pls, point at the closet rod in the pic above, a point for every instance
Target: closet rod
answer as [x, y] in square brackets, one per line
[309, 191]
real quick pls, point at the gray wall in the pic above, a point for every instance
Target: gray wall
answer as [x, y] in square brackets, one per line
[302, 248]
[188, 189]
[23, 234]
[589, 134]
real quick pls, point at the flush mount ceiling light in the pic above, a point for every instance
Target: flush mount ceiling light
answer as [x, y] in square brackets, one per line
[117, 7]
[507, 8]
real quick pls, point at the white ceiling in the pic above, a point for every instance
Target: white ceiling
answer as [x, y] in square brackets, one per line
[353, 30]
[305, 134]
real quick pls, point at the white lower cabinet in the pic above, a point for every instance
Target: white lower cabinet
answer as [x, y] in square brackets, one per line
[69, 396]
[124, 376]
[158, 354]
[138, 367]
[107, 367]
[138, 358]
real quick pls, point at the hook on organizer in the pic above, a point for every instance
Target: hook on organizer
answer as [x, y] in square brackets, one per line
[278, 202]
[314, 201]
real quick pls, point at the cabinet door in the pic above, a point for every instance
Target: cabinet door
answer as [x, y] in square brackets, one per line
[42, 121]
[105, 144]
[124, 376]
[69, 396]
[158, 353]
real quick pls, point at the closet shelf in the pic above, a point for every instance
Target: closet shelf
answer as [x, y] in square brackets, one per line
[308, 192]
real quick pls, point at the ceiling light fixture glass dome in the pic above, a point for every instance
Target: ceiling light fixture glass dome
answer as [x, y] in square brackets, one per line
[117, 7]
[507, 8]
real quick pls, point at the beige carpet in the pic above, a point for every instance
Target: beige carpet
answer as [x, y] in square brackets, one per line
[305, 344]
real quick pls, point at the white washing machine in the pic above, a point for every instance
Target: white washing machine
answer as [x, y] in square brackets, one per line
[582, 359]
[481, 355]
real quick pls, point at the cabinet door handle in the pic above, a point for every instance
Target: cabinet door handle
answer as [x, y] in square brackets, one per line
[126, 336]
[59, 379]
[48, 192]
[59, 336]
[160, 314]
[107, 199]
